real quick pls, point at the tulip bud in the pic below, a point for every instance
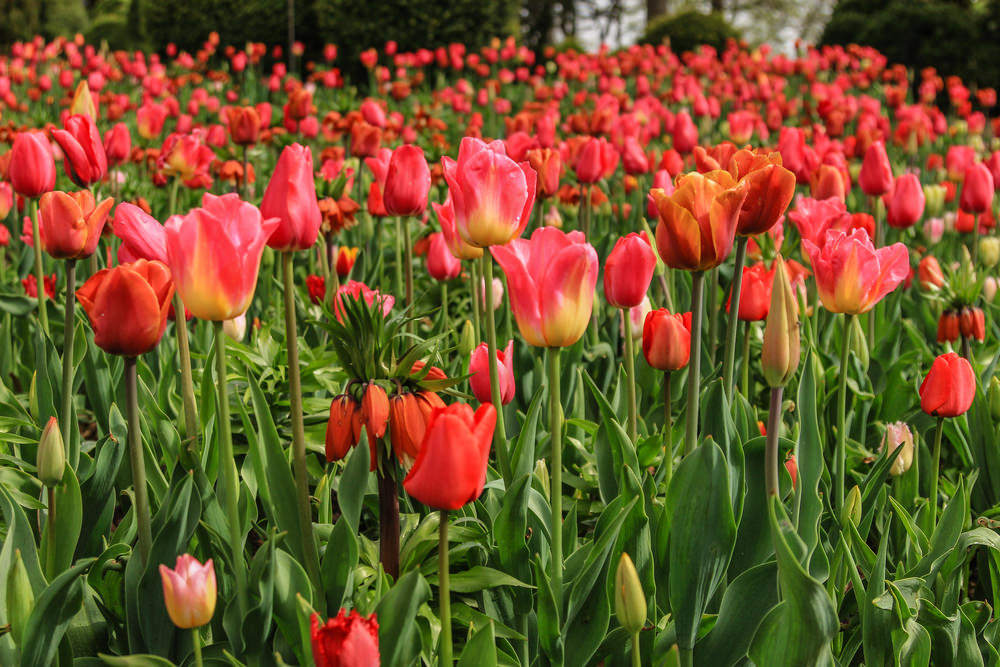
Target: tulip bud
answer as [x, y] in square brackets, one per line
[990, 288]
[852, 508]
[466, 340]
[20, 598]
[780, 356]
[859, 343]
[989, 251]
[934, 196]
[236, 328]
[51, 455]
[33, 396]
[630, 600]
[898, 436]
[993, 398]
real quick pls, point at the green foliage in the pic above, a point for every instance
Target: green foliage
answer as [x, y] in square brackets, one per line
[64, 17]
[22, 20]
[689, 30]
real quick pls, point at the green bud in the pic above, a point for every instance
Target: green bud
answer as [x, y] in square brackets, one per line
[989, 251]
[993, 398]
[630, 601]
[20, 598]
[859, 342]
[934, 197]
[780, 354]
[852, 507]
[33, 396]
[51, 455]
[466, 340]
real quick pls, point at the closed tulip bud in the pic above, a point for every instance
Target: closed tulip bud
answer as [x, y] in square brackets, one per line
[118, 144]
[907, 203]
[51, 455]
[949, 387]
[466, 339]
[875, 178]
[934, 199]
[989, 251]
[407, 182]
[291, 198]
[32, 169]
[630, 600]
[898, 436]
[666, 339]
[977, 189]
[441, 264]
[929, 274]
[83, 101]
[20, 598]
[859, 343]
[851, 513]
[990, 288]
[479, 368]
[84, 158]
[993, 397]
[244, 125]
[547, 163]
[780, 355]
[348, 640]
[189, 591]
[628, 271]
[345, 260]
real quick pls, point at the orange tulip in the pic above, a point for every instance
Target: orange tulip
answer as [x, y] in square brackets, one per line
[70, 223]
[769, 187]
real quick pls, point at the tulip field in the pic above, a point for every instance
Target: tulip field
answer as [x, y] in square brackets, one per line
[498, 358]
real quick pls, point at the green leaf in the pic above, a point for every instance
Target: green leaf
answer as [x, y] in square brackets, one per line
[481, 650]
[479, 578]
[69, 520]
[399, 637]
[522, 460]
[549, 628]
[354, 482]
[702, 536]
[718, 424]
[139, 660]
[339, 561]
[510, 528]
[809, 459]
[747, 600]
[54, 609]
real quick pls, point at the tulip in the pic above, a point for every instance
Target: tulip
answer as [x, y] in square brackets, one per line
[458, 247]
[898, 436]
[479, 380]
[32, 169]
[450, 470]
[851, 275]
[345, 260]
[491, 193]
[189, 591]
[929, 274]
[596, 159]
[85, 161]
[20, 600]
[827, 182]
[348, 640]
[407, 182]
[6, 204]
[977, 189]
[697, 223]
[142, 236]
[290, 198]
[70, 223]
[51, 457]
[118, 144]
[149, 119]
[547, 163]
[83, 101]
[666, 339]
[244, 125]
[187, 157]
[685, 135]
[551, 279]
[409, 414]
[769, 188]
[127, 306]
[755, 293]
[236, 328]
[780, 354]
[634, 160]
[214, 255]
[441, 263]
[907, 203]
[628, 271]
[630, 600]
[875, 178]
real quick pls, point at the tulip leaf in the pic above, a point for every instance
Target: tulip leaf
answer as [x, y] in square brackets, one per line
[809, 461]
[718, 424]
[19, 536]
[481, 649]
[354, 482]
[398, 634]
[747, 600]
[550, 637]
[479, 578]
[139, 660]
[291, 583]
[511, 526]
[522, 460]
[53, 611]
[339, 561]
[69, 520]
[947, 531]
[17, 304]
[702, 536]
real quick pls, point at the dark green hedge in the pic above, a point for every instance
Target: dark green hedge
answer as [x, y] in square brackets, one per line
[689, 30]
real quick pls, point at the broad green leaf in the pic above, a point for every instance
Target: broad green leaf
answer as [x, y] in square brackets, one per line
[481, 650]
[747, 600]
[69, 520]
[354, 482]
[54, 609]
[339, 561]
[479, 578]
[399, 637]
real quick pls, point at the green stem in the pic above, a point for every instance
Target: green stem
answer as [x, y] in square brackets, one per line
[195, 635]
[136, 458]
[686, 656]
[555, 475]
[734, 320]
[636, 654]
[445, 320]
[408, 269]
[67, 427]
[771, 447]
[174, 188]
[43, 314]
[932, 496]
[713, 312]
[668, 434]
[444, 594]
[500, 433]
[229, 482]
[298, 430]
[50, 529]
[745, 362]
[841, 463]
[633, 417]
[694, 365]
[975, 240]
[876, 205]
[398, 268]
[474, 293]
[585, 210]
[186, 380]
[246, 177]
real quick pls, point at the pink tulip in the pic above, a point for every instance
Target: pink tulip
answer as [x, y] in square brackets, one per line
[214, 255]
[189, 591]
[85, 161]
[479, 368]
[628, 271]
[977, 189]
[875, 178]
[407, 182]
[441, 264]
[907, 203]
[597, 159]
[143, 237]
[492, 194]
[551, 280]
[459, 248]
[290, 198]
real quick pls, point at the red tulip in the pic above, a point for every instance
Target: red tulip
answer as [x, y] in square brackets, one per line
[32, 169]
[441, 264]
[118, 144]
[85, 161]
[769, 188]
[875, 178]
[666, 339]
[906, 205]
[851, 275]
[479, 370]
[596, 159]
[185, 156]
[290, 197]
[407, 182]
[628, 271]
[70, 223]
[949, 387]
[492, 194]
[345, 260]
[755, 293]
[214, 255]
[349, 640]
[127, 306]
[142, 236]
[634, 160]
[977, 189]
[685, 134]
[244, 125]
[149, 119]
[551, 281]
[450, 470]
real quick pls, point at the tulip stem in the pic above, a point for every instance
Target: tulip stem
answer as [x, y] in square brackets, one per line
[229, 482]
[975, 240]
[585, 210]
[50, 530]
[932, 496]
[444, 594]
[36, 242]
[388, 504]
[195, 635]
[633, 417]
[713, 313]
[555, 475]
[187, 382]
[309, 551]
[72, 443]
[636, 655]
[474, 294]
[729, 358]
[246, 177]
[771, 447]
[694, 366]
[876, 206]
[445, 320]
[408, 269]
[136, 458]
[845, 350]
[399, 258]
[745, 362]
[500, 432]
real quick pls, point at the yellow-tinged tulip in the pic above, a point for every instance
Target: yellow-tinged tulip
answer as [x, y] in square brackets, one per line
[780, 356]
